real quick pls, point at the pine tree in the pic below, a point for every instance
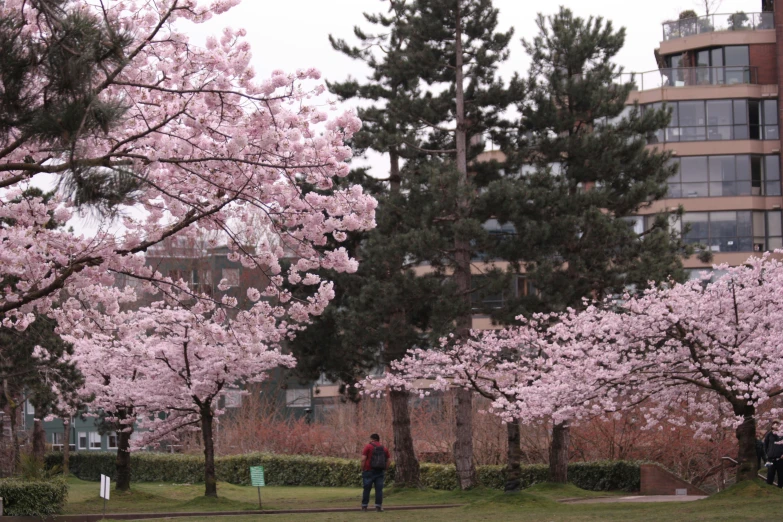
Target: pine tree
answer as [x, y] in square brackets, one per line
[44, 381]
[456, 49]
[383, 308]
[587, 175]
[64, 105]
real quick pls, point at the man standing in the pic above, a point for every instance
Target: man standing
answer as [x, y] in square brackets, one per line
[773, 446]
[375, 461]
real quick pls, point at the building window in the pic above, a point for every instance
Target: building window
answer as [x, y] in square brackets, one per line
[111, 440]
[82, 440]
[741, 175]
[297, 397]
[231, 275]
[233, 399]
[727, 65]
[95, 440]
[718, 120]
[732, 231]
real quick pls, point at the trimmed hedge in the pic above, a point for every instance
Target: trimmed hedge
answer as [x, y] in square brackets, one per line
[303, 470]
[42, 498]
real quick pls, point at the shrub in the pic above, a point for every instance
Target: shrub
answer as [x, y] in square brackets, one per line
[39, 498]
[303, 470]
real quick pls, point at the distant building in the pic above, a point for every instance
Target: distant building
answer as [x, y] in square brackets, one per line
[721, 76]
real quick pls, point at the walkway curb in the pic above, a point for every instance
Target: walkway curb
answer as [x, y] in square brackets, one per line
[142, 516]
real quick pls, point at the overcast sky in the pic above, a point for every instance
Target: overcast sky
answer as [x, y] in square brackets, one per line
[292, 34]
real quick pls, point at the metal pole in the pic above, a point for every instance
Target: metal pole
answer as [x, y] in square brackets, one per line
[259, 497]
[104, 507]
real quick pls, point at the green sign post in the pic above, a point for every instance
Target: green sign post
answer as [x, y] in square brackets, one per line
[257, 480]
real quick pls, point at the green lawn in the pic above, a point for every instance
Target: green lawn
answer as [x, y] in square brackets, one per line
[753, 501]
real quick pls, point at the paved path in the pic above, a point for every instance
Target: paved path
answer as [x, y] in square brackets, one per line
[214, 514]
[637, 498]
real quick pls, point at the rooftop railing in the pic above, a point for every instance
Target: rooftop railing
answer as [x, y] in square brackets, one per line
[717, 22]
[692, 76]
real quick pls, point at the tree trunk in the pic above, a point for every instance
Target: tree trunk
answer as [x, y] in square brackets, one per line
[747, 469]
[66, 445]
[513, 471]
[463, 399]
[210, 481]
[463, 445]
[558, 453]
[406, 472]
[39, 440]
[13, 408]
[124, 459]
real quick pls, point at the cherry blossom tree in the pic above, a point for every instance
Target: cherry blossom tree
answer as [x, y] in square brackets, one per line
[699, 352]
[529, 372]
[158, 138]
[168, 366]
[117, 382]
[111, 101]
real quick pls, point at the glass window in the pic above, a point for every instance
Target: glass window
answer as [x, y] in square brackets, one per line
[755, 174]
[694, 168]
[722, 168]
[698, 227]
[231, 275]
[770, 112]
[717, 57]
[297, 397]
[772, 175]
[736, 55]
[744, 228]
[754, 119]
[111, 441]
[743, 167]
[691, 113]
[95, 440]
[703, 58]
[723, 224]
[741, 112]
[82, 440]
[774, 224]
[719, 112]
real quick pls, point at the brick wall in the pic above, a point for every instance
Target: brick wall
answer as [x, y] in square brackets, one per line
[658, 481]
[763, 56]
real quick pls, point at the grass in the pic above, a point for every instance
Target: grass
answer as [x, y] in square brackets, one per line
[751, 501]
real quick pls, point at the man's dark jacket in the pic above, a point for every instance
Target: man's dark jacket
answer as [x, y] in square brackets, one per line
[773, 451]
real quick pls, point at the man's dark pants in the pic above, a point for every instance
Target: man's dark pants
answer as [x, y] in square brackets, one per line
[369, 479]
[775, 469]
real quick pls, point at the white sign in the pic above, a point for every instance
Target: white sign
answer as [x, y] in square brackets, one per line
[680, 491]
[105, 482]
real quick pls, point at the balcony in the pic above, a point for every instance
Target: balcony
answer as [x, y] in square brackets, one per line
[692, 77]
[717, 22]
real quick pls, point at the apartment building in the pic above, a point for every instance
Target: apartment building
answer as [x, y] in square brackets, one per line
[720, 76]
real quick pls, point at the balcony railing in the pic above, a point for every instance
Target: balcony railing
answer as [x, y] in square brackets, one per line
[692, 76]
[717, 22]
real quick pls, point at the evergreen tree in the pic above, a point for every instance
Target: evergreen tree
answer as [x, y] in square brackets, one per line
[48, 382]
[382, 310]
[455, 48]
[50, 93]
[585, 172]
